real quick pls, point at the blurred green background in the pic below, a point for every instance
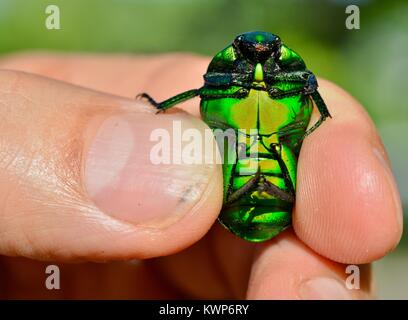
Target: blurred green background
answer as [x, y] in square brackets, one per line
[371, 63]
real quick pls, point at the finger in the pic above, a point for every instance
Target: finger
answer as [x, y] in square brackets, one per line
[347, 203]
[77, 181]
[285, 268]
[162, 76]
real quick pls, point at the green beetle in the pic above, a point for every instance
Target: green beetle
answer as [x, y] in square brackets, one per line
[260, 89]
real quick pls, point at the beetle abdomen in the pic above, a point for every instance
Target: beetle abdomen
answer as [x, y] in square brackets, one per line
[255, 223]
[260, 182]
[264, 209]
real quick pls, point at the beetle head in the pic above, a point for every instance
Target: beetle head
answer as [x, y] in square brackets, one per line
[257, 46]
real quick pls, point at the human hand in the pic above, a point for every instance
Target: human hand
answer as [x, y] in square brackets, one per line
[76, 185]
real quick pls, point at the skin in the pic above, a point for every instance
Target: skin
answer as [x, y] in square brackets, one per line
[347, 211]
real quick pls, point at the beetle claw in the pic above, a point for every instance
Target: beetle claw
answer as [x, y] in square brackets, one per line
[146, 96]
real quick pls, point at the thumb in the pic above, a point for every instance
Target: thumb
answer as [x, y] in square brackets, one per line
[77, 181]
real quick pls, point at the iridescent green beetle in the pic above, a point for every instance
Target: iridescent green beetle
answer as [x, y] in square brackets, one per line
[257, 83]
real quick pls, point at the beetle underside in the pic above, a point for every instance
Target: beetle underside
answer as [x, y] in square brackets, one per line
[258, 83]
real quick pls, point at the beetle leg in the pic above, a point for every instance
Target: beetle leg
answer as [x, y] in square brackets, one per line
[277, 192]
[324, 112]
[234, 196]
[146, 96]
[275, 93]
[296, 76]
[166, 104]
[311, 84]
[300, 77]
[219, 79]
[241, 93]
[286, 176]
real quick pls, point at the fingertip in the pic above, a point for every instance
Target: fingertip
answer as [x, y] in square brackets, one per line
[285, 268]
[138, 171]
[348, 207]
[79, 182]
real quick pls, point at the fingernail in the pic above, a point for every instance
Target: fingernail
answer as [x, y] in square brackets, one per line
[124, 182]
[323, 289]
[381, 156]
